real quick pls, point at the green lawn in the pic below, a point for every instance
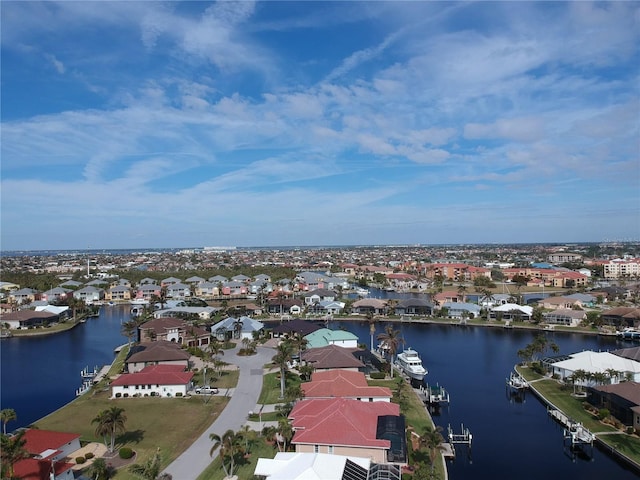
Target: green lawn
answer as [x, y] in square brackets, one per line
[561, 397]
[270, 393]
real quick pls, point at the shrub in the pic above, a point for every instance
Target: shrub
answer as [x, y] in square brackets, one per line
[80, 460]
[88, 455]
[118, 395]
[631, 430]
[603, 413]
[178, 394]
[125, 453]
[377, 375]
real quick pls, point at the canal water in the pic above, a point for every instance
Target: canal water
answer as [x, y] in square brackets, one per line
[41, 374]
[511, 439]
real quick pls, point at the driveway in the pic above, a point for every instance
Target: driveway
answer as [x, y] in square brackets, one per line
[196, 458]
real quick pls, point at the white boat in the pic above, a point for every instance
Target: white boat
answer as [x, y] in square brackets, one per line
[517, 382]
[139, 301]
[362, 292]
[410, 363]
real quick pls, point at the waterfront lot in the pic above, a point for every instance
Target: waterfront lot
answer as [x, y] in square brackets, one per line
[168, 424]
[560, 396]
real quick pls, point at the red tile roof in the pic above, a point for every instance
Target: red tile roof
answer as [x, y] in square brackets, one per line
[34, 469]
[341, 383]
[340, 421]
[37, 441]
[155, 375]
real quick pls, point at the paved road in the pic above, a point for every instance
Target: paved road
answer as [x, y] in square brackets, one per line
[196, 458]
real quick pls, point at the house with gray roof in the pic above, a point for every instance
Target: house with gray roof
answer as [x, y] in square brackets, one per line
[238, 328]
[563, 316]
[178, 290]
[414, 306]
[89, 294]
[462, 309]
[156, 353]
[218, 279]
[55, 294]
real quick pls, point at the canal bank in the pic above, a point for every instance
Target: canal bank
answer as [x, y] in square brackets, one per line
[575, 414]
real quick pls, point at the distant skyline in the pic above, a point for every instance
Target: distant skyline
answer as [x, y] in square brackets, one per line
[168, 124]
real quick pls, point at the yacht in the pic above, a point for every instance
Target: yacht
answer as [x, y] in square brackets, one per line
[410, 363]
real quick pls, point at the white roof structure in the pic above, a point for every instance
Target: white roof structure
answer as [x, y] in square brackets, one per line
[510, 307]
[52, 309]
[597, 362]
[306, 466]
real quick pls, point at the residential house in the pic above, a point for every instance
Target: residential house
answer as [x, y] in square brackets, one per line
[120, 293]
[371, 306]
[305, 466]
[326, 307]
[325, 336]
[401, 281]
[297, 326]
[238, 328]
[72, 284]
[621, 317]
[160, 352]
[24, 296]
[343, 426]
[344, 384]
[23, 319]
[178, 290]
[56, 294]
[568, 318]
[194, 280]
[49, 451]
[621, 399]
[332, 357]
[461, 309]
[89, 295]
[559, 302]
[173, 330]
[206, 289]
[234, 288]
[169, 281]
[596, 363]
[282, 305]
[317, 295]
[146, 291]
[202, 313]
[241, 278]
[511, 311]
[448, 296]
[153, 381]
[456, 272]
[218, 279]
[414, 306]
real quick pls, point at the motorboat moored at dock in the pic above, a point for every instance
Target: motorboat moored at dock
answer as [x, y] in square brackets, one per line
[411, 365]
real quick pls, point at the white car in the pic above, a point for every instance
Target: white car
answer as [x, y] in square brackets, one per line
[206, 390]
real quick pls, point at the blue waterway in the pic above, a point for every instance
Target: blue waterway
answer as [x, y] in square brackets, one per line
[511, 440]
[41, 374]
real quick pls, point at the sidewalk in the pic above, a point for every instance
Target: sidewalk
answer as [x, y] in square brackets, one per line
[195, 459]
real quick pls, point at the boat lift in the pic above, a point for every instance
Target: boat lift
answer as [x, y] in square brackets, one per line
[435, 395]
[459, 438]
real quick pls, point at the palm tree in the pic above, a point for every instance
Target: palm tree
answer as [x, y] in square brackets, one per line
[392, 340]
[284, 434]
[237, 328]
[372, 328]
[148, 470]
[281, 358]
[432, 440]
[11, 452]
[110, 422]
[129, 330]
[6, 416]
[98, 470]
[229, 444]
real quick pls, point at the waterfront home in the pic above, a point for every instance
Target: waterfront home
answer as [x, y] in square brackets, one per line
[147, 290]
[511, 311]
[414, 306]
[461, 309]
[344, 384]
[206, 289]
[621, 317]
[371, 306]
[234, 288]
[169, 281]
[89, 294]
[325, 336]
[203, 313]
[305, 466]
[120, 293]
[55, 294]
[159, 352]
[48, 450]
[319, 294]
[559, 302]
[238, 328]
[569, 318]
[448, 296]
[621, 399]
[23, 319]
[595, 364]
[343, 426]
[241, 278]
[194, 280]
[332, 357]
[326, 307]
[173, 330]
[63, 312]
[218, 279]
[281, 305]
[178, 290]
[153, 381]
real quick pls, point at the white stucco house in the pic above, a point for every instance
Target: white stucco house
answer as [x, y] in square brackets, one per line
[153, 381]
[596, 362]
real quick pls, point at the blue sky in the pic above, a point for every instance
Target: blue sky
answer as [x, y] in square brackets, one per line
[152, 124]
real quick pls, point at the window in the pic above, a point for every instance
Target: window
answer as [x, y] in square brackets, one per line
[330, 449]
[316, 448]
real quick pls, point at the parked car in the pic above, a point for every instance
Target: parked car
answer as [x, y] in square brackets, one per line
[206, 389]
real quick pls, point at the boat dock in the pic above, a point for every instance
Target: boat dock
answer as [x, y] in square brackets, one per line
[574, 432]
[91, 377]
[434, 395]
[464, 437]
[517, 382]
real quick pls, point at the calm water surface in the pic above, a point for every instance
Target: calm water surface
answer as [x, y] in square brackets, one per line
[41, 374]
[511, 440]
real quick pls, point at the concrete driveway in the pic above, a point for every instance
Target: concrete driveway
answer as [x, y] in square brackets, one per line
[196, 458]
